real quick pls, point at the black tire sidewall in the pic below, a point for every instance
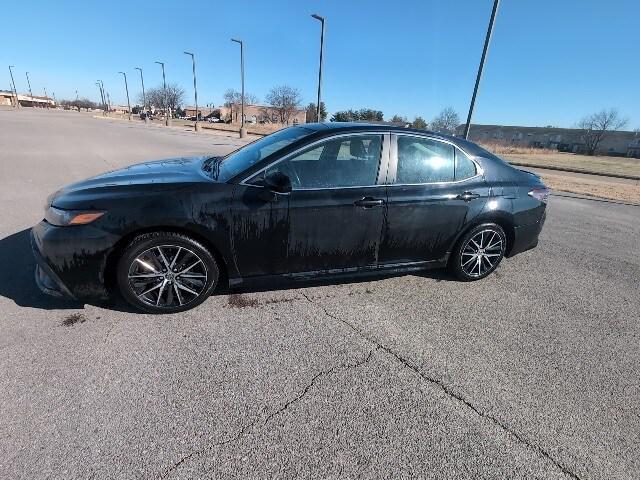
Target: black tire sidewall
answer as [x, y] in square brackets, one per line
[150, 240]
[455, 261]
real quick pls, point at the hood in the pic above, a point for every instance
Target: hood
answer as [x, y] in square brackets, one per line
[160, 175]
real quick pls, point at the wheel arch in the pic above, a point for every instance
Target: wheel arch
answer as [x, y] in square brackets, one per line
[115, 253]
[502, 219]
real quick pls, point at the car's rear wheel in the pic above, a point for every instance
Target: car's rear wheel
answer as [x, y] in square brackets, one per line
[479, 252]
[166, 272]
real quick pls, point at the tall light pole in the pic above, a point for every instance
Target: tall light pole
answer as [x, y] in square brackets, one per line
[126, 87]
[144, 97]
[321, 19]
[15, 92]
[103, 96]
[243, 130]
[30, 93]
[167, 121]
[195, 88]
[46, 97]
[487, 40]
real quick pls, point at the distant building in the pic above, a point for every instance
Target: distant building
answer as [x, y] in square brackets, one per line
[9, 99]
[190, 111]
[259, 114]
[618, 143]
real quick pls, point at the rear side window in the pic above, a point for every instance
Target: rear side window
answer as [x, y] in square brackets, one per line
[465, 168]
[421, 160]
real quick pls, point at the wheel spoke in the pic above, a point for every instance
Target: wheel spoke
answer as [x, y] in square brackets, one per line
[150, 289]
[191, 275]
[164, 259]
[146, 275]
[175, 288]
[147, 265]
[186, 289]
[468, 261]
[188, 268]
[164, 283]
[173, 262]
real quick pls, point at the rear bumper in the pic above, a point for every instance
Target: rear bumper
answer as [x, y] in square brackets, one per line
[526, 237]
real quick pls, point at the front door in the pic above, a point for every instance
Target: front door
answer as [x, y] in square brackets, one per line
[337, 202]
[434, 189]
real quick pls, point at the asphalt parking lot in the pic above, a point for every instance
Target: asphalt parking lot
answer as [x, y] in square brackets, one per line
[530, 373]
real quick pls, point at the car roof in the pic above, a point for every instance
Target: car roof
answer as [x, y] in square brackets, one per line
[335, 127]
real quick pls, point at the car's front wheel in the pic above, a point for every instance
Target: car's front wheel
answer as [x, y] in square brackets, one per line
[478, 252]
[166, 272]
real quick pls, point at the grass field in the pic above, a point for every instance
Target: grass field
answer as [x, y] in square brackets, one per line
[615, 165]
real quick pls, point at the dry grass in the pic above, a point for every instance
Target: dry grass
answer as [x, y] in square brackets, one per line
[500, 148]
[623, 192]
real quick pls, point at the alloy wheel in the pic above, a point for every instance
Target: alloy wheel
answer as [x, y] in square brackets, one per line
[167, 276]
[481, 253]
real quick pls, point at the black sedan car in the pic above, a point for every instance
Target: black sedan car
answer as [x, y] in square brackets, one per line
[307, 201]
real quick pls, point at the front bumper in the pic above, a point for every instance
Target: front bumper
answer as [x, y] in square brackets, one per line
[71, 261]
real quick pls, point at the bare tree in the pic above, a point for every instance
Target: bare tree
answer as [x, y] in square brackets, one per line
[233, 100]
[155, 97]
[285, 100]
[596, 126]
[446, 121]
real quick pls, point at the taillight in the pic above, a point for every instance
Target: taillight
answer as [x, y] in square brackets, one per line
[541, 194]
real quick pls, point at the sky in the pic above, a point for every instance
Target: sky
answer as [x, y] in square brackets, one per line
[551, 62]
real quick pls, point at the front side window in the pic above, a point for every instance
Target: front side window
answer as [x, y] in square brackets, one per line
[422, 160]
[346, 161]
[247, 156]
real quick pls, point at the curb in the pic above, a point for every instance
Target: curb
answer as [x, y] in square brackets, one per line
[575, 170]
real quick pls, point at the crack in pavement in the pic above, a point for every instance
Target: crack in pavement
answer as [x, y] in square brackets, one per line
[316, 378]
[447, 390]
[335, 368]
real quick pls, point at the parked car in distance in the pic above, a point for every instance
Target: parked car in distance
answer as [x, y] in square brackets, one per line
[213, 120]
[305, 202]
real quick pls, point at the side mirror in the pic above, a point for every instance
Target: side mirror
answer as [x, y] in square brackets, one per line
[277, 182]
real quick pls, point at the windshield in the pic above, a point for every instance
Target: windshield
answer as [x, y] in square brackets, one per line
[249, 155]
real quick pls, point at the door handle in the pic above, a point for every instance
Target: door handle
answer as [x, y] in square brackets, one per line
[368, 202]
[468, 196]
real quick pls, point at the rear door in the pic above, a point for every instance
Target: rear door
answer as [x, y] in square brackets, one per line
[433, 190]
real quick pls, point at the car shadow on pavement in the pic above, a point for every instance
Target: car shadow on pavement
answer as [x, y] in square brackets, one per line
[17, 275]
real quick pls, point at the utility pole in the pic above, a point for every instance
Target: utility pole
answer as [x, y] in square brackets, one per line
[321, 19]
[46, 97]
[127, 89]
[144, 97]
[104, 97]
[167, 121]
[487, 40]
[15, 92]
[30, 93]
[243, 130]
[195, 88]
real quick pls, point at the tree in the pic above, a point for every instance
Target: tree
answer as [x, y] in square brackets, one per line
[595, 127]
[446, 121]
[156, 97]
[311, 112]
[364, 114]
[399, 119]
[420, 123]
[233, 101]
[285, 100]
[80, 103]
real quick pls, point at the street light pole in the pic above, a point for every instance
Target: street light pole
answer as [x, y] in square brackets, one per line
[487, 40]
[46, 97]
[167, 122]
[14, 86]
[30, 93]
[243, 130]
[321, 19]
[127, 90]
[103, 96]
[144, 97]
[195, 88]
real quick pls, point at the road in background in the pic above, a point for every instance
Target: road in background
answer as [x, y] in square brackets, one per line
[530, 373]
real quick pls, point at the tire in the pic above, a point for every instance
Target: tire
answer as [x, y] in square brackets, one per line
[190, 280]
[488, 240]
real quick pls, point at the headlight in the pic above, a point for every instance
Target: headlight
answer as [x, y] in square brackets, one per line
[62, 218]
